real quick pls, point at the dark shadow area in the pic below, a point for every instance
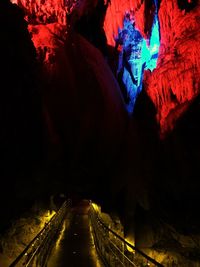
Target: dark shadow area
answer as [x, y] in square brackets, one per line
[21, 135]
[179, 164]
[187, 5]
[90, 26]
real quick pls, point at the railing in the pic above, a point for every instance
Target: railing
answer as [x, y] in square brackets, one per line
[37, 252]
[113, 249]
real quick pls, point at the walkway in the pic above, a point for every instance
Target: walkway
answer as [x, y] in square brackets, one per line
[75, 246]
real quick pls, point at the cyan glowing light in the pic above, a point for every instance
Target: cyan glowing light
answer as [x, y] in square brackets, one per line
[154, 42]
[154, 46]
[136, 56]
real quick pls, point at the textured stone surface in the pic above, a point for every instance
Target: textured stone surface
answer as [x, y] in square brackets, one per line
[176, 79]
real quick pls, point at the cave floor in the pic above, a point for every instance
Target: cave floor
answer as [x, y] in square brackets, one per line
[75, 245]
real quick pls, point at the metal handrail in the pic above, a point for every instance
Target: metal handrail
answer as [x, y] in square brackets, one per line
[38, 249]
[99, 225]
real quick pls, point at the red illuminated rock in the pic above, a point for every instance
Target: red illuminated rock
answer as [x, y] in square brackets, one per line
[175, 81]
[47, 11]
[47, 25]
[143, 12]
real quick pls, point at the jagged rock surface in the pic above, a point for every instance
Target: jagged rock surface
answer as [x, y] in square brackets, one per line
[176, 79]
[172, 87]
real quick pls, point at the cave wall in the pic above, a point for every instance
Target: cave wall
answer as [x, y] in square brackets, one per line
[143, 12]
[175, 81]
[22, 135]
[43, 12]
[69, 76]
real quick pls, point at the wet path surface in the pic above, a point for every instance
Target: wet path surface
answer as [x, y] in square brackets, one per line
[75, 246]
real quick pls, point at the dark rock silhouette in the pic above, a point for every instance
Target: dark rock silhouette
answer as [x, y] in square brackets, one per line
[20, 106]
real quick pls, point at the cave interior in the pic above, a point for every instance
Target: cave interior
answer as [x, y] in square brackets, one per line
[100, 100]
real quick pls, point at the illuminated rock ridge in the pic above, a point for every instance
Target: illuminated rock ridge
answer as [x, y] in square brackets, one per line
[175, 82]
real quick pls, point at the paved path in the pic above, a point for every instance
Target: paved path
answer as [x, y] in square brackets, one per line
[75, 246]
